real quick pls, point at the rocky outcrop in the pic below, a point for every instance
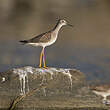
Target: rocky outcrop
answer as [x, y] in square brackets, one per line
[21, 80]
[45, 88]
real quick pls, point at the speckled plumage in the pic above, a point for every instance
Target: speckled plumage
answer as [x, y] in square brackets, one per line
[42, 38]
[46, 39]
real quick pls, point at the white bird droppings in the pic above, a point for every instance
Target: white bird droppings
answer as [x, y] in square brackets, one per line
[24, 72]
[23, 77]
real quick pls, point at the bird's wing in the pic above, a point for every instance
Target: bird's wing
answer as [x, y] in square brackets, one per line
[42, 38]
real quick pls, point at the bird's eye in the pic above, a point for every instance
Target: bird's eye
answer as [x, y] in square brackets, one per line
[63, 21]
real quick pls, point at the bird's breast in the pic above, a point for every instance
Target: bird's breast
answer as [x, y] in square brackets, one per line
[53, 39]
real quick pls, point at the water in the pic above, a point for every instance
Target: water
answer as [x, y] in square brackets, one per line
[85, 47]
[94, 62]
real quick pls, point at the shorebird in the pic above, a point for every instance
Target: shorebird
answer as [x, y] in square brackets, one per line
[102, 90]
[46, 39]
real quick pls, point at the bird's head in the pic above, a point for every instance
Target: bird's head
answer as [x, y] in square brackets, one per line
[64, 22]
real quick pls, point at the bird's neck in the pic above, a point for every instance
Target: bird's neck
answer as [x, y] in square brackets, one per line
[57, 28]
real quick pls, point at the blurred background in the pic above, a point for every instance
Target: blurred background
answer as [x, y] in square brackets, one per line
[85, 47]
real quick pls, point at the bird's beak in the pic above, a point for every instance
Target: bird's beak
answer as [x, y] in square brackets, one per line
[70, 25]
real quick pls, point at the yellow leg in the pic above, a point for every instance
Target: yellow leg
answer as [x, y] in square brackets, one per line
[44, 59]
[41, 58]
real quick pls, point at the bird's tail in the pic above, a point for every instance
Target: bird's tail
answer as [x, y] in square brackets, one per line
[24, 41]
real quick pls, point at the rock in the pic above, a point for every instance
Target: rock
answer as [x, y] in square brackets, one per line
[20, 80]
[61, 88]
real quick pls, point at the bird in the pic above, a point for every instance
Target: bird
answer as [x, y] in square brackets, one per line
[102, 90]
[46, 39]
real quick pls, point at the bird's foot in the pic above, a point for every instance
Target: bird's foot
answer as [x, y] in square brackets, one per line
[40, 66]
[45, 67]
